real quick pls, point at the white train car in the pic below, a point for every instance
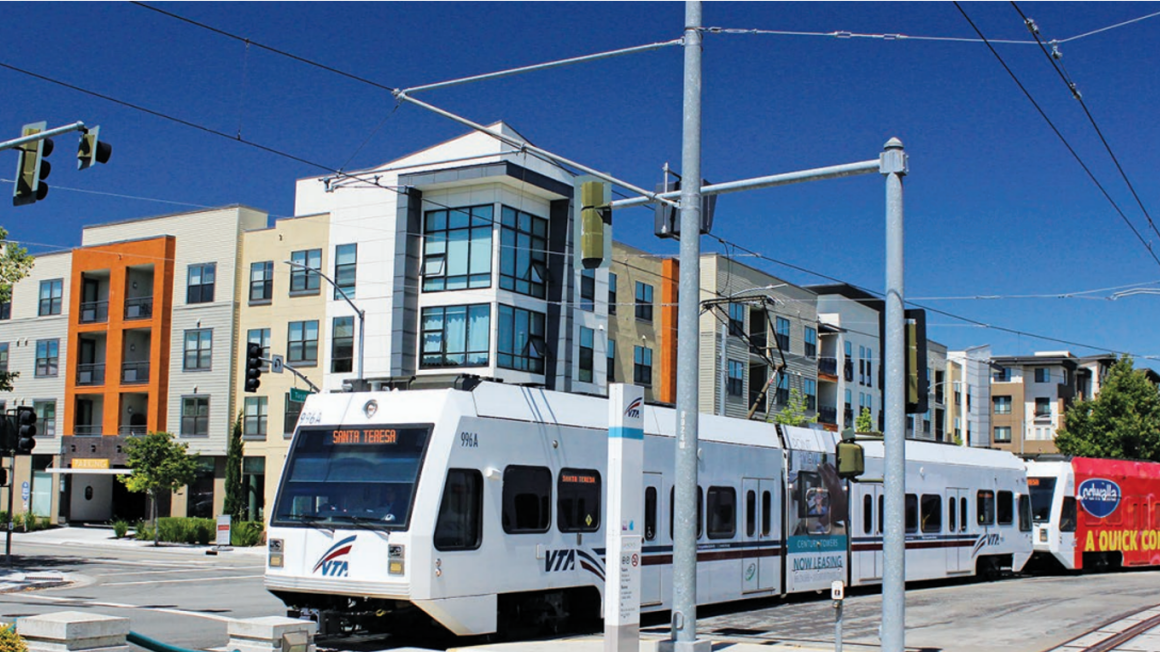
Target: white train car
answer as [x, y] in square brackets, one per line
[481, 507]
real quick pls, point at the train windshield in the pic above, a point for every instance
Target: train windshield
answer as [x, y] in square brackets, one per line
[352, 477]
[1042, 491]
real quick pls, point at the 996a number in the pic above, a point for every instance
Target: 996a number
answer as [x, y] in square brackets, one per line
[469, 439]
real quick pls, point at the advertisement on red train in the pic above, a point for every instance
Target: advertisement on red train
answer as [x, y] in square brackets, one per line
[1119, 510]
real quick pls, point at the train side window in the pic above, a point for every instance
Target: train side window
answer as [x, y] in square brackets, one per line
[650, 514]
[1024, 513]
[578, 502]
[911, 513]
[1067, 515]
[881, 512]
[673, 503]
[867, 514]
[1006, 508]
[750, 512]
[951, 511]
[459, 526]
[931, 513]
[527, 499]
[766, 512]
[985, 507]
[722, 512]
[963, 511]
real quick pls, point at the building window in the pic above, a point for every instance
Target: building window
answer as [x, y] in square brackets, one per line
[1042, 407]
[781, 395]
[6, 304]
[1002, 434]
[261, 281]
[3, 357]
[47, 357]
[1001, 374]
[782, 330]
[588, 289]
[521, 340]
[194, 416]
[342, 345]
[198, 350]
[611, 361]
[523, 256]
[457, 249]
[1002, 404]
[810, 388]
[45, 418]
[644, 301]
[256, 414]
[456, 336]
[735, 384]
[199, 283]
[290, 418]
[51, 293]
[305, 281]
[612, 294]
[642, 365]
[737, 319]
[1042, 375]
[261, 337]
[302, 342]
[587, 335]
[345, 269]
[811, 342]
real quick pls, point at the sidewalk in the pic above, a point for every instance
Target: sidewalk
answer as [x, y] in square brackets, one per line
[595, 643]
[100, 536]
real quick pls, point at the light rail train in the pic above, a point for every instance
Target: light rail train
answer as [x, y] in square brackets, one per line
[482, 508]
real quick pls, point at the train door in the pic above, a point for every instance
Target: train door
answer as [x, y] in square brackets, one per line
[958, 525]
[759, 536]
[870, 551]
[650, 590]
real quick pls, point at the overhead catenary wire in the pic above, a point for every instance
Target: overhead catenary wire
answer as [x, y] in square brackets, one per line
[1062, 138]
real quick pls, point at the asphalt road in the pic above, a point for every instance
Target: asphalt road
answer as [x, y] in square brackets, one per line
[185, 598]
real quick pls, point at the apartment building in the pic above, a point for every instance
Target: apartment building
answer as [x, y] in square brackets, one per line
[34, 342]
[968, 407]
[642, 322]
[853, 343]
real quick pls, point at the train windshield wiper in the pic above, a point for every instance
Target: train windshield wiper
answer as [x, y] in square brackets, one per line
[312, 519]
[364, 522]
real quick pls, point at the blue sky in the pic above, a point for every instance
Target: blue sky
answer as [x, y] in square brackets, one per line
[995, 204]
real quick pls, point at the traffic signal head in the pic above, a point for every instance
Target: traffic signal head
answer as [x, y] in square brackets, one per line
[92, 149]
[594, 214]
[26, 430]
[32, 168]
[253, 366]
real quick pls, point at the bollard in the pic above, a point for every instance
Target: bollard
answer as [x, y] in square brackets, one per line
[272, 634]
[837, 593]
[74, 631]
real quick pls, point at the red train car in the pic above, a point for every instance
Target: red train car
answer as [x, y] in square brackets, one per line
[1096, 514]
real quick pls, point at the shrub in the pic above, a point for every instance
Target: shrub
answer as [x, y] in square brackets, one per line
[179, 529]
[143, 531]
[10, 641]
[245, 534]
[32, 523]
[203, 531]
[120, 528]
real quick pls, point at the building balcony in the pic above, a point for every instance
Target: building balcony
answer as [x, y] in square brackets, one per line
[139, 308]
[133, 431]
[87, 430]
[133, 373]
[94, 312]
[828, 366]
[91, 374]
[828, 414]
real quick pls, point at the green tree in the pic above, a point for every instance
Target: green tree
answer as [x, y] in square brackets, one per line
[863, 422]
[160, 463]
[235, 504]
[794, 412]
[1123, 422]
[15, 264]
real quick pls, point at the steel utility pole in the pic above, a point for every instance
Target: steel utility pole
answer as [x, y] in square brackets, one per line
[894, 167]
[684, 612]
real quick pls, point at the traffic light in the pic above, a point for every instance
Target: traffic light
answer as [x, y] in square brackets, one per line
[92, 149]
[32, 169]
[667, 219]
[7, 433]
[917, 383]
[3, 477]
[594, 214]
[26, 430]
[253, 367]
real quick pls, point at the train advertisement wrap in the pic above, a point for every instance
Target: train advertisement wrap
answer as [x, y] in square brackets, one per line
[1118, 513]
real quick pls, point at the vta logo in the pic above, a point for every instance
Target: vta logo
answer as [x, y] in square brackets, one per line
[559, 560]
[330, 564]
[633, 409]
[986, 540]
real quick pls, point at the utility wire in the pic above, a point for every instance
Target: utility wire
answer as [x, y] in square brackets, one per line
[1053, 59]
[1061, 136]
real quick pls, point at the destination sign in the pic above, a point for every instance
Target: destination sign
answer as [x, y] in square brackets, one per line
[580, 478]
[384, 436]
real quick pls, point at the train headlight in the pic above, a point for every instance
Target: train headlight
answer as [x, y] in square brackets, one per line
[396, 558]
[274, 551]
[1043, 535]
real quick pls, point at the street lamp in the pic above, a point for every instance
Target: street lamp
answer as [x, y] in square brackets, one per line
[361, 313]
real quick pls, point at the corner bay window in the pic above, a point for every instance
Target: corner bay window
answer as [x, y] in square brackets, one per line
[456, 336]
[523, 257]
[521, 340]
[457, 249]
